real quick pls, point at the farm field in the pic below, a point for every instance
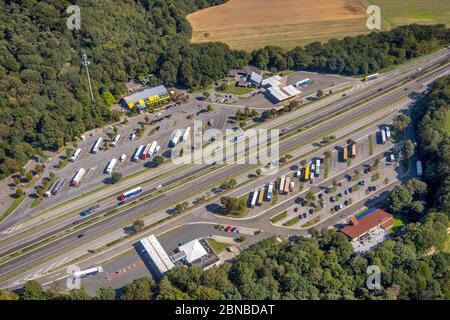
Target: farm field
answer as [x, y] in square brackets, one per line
[252, 24]
[401, 12]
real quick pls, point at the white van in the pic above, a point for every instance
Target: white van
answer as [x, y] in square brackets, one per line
[123, 157]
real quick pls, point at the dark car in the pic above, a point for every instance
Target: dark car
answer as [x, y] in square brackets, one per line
[320, 196]
[331, 199]
[304, 215]
[233, 229]
[81, 235]
[311, 211]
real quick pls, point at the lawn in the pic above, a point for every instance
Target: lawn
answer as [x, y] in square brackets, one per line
[311, 222]
[232, 89]
[399, 222]
[279, 217]
[291, 222]
[218, 246]
[447, 122]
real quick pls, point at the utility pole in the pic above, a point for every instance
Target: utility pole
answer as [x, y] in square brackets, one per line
[86, 63]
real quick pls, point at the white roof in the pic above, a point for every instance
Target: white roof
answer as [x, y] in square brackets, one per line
[256, 77]
[291, 90]
[273, 81]
[278, 94]
[157, 254]
[194, 250]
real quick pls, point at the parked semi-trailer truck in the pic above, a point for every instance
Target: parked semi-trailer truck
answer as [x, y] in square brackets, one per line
[254, 198]
[146, 151]
[56, 187]
[261, 196]
[115, 141]
[370, 77]
[75, 155]
[138, 152]
[383, 136]
[153, 148]
[76, 179]
[345, 153]
[419, 168]
[110, 166]
[176, 138]
[306, 177]
[130, 193]
[287, 185]
[269, 191]
[388, 132]
[281, 189]
[97, 145]
[87, 272]
[353, 151]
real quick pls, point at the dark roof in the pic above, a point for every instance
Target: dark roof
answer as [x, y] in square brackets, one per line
[368, 221]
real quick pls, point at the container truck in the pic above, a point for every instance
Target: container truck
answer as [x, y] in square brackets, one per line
[153, 148]
[97, 145]
[138, 152]
[419, 168]
[115, 141]
[287, 185]
[383, 136]
[254, 199]
[345, 153]
[388, 132]
[76, 179]
[269, 192]
[111, 165]
[283, 178]
[87, 272]
[176, 138]
[317, 171]
[146, 151]
[306, 178]
[75, 155]
[370, 77]
[187, 134]
[129, 193]
[261, 196]
[353, 151]
[56, 186]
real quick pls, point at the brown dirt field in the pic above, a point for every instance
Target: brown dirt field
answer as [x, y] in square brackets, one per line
[250, 24]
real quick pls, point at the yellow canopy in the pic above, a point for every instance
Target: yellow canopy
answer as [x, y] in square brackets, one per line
[141, 102]
[131, 105]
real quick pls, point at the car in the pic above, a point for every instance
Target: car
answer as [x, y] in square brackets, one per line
[159, 187]
[298, 200]
[81, 235]
[304, 215]
[123, 157]
[296, 209]
[228, 228]
[303, 203]
[311, 211]
[340, 195]
[350, 190]
[233, 229]
[346, 203]
[332, 199]
[221, 228]
[320, 196]
[362, 183]
[374, 188]
[340, 184]
[369, 189]
[75, 222]
[345, 191]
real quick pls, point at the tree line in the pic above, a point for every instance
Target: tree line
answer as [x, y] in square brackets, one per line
[44, 95]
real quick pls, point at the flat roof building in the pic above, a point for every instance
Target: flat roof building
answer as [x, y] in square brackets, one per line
[157, 254]
[368, 221]
[150, 95]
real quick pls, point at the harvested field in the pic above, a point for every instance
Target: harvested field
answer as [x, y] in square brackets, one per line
[251, 24]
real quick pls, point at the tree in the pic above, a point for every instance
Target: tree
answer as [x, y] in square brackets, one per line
[408, 149]
[138, 225]
[401, 122]
[106, 293]
[209, 108]
[139, 289]
[233, 206]
[310, 197]
[158, 160]
[5, 295]
[258, 172]
[116, 177]
[19, 192]
[147, 118]
[32, 290]
[399, 198]
[319, 94]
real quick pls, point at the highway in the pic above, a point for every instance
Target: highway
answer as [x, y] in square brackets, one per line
[365, 91]
[97, 229]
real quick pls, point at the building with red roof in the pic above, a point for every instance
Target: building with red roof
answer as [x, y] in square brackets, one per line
[368, 221]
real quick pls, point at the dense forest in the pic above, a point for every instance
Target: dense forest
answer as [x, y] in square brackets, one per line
[44, 98]
[414, 265]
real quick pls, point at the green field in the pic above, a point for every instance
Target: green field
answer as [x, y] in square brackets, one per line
[401, 12]
[217, 246]
[279, 217]
[232, 89]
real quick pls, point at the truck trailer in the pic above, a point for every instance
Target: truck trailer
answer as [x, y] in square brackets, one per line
[115, 141]
[353, 151]
[287, 185]
[138, 152]
[345, 153]
[87, 272]
[269, 191]
[110, 166]
[97, 145]
[254, 198]
[146, 151]
[129, 193]
[176, 138]
[76, 179]
[187, 134]
[152, 150]
[75, 155]
[261, 196]
[281, 188]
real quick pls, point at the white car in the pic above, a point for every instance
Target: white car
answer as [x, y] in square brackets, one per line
[123, 157]
[159, 187]
[157, 148]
